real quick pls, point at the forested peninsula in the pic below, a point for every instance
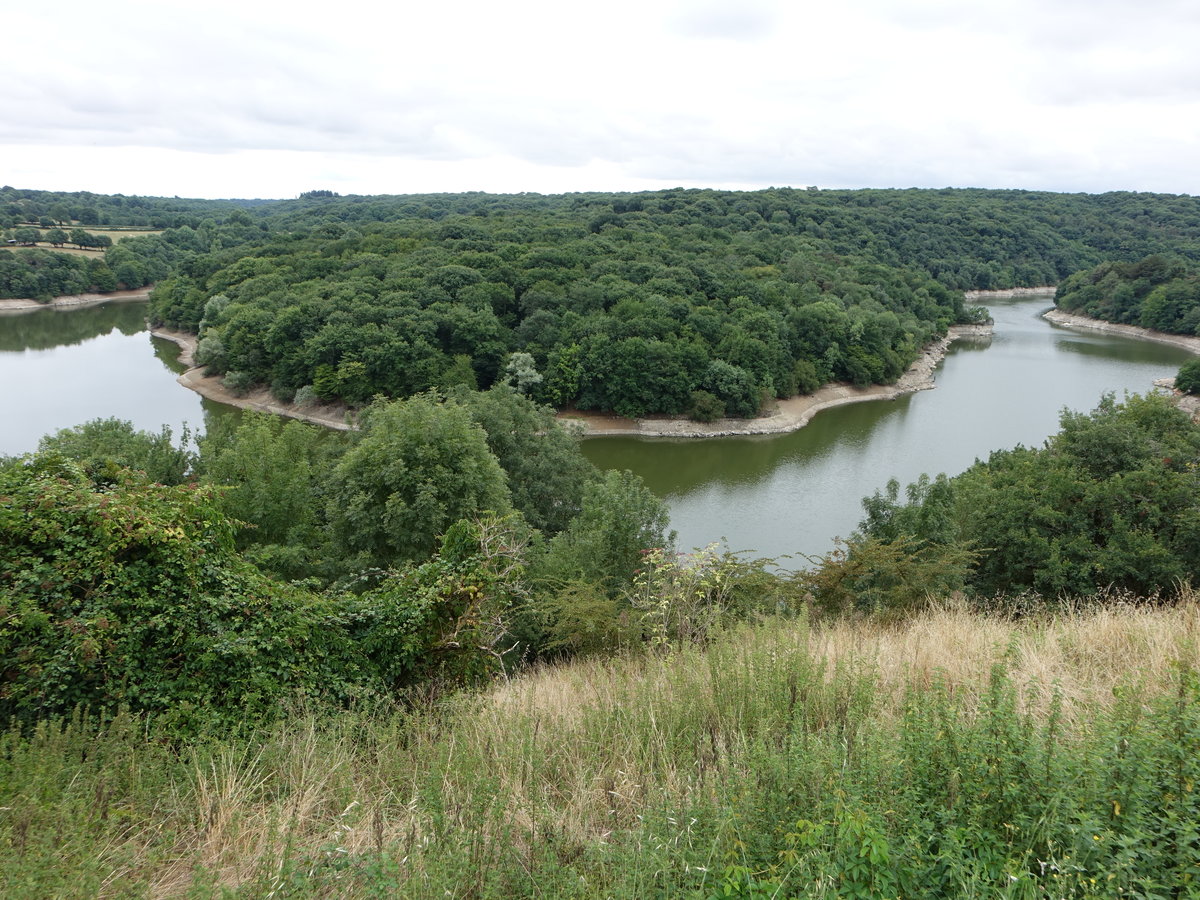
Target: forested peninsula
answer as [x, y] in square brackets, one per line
[705, 303]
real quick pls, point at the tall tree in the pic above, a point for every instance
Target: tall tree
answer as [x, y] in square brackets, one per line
[419, 466]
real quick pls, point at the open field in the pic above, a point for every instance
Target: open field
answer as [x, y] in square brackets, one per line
[115, 234]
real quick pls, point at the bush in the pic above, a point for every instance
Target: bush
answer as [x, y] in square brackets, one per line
[238, 383]
[130, 594]
[706, 407]
[1188, 379]
[306, 397]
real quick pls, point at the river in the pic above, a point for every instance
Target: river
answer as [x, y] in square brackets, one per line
[62, 367]
[794, 494]
[776, 496]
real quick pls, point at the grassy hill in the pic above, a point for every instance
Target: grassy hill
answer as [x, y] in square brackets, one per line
[955, 755]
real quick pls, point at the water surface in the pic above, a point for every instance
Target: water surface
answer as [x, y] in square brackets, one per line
[795, 493]
[61, 367]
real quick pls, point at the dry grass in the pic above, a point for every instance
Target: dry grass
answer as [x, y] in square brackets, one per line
[75, 251]
[582, 750]
[597, 741]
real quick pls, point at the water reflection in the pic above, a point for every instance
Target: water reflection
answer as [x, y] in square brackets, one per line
[46, 328]
[79, 364]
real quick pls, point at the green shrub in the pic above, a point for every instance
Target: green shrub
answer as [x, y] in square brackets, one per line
[1188, 379]
[129, 594]
[706, 407]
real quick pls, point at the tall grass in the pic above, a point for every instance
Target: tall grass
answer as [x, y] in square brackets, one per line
[954, 755]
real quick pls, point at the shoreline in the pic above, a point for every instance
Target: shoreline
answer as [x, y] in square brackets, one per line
[261, 400]
[1075, 320]
[11, 305]
[1189, 403]
[789, 415]
[1048, 290]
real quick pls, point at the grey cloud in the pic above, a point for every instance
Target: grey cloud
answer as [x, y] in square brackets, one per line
[745, 22]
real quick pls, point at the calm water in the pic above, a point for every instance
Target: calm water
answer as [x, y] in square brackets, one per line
[793, 494]
[788, 494]
[59, 368]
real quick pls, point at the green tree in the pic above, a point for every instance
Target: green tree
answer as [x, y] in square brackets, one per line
[521, 372]
[104, 445]
[1188, 379]
[546, 471]
[55, 237]
[1110, 501]
[605, 544]
[274, 470]
[418, 466]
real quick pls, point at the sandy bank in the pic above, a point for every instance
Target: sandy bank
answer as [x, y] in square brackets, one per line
[331, 416]
[1047, 291]
[1074, 320]
[790, 414]
[71, 301]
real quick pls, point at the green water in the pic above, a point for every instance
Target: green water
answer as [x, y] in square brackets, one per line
[787, 494]
[793, 494]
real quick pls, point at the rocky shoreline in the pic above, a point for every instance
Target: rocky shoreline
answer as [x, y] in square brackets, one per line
[791, 414]
[70, 301]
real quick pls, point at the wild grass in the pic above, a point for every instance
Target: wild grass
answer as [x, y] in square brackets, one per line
[956, 753]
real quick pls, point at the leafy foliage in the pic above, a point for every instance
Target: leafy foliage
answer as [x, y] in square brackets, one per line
[546, 472]
[1188, 379]
[128, 593]
[104, 445]
[618, 522]
[418, 466]
[1110, 501]
[447, 621]
[1158, 292]
[629, 302]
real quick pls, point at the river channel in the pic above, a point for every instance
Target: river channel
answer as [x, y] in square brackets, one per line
[780, 496]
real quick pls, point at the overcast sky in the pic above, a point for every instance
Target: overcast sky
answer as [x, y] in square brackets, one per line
[259, 98]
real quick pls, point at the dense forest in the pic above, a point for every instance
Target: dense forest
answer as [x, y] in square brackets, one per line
[673, 302]
[679, 301]
[1161, 292]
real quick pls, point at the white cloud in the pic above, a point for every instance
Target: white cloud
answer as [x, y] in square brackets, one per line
[269, 99]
